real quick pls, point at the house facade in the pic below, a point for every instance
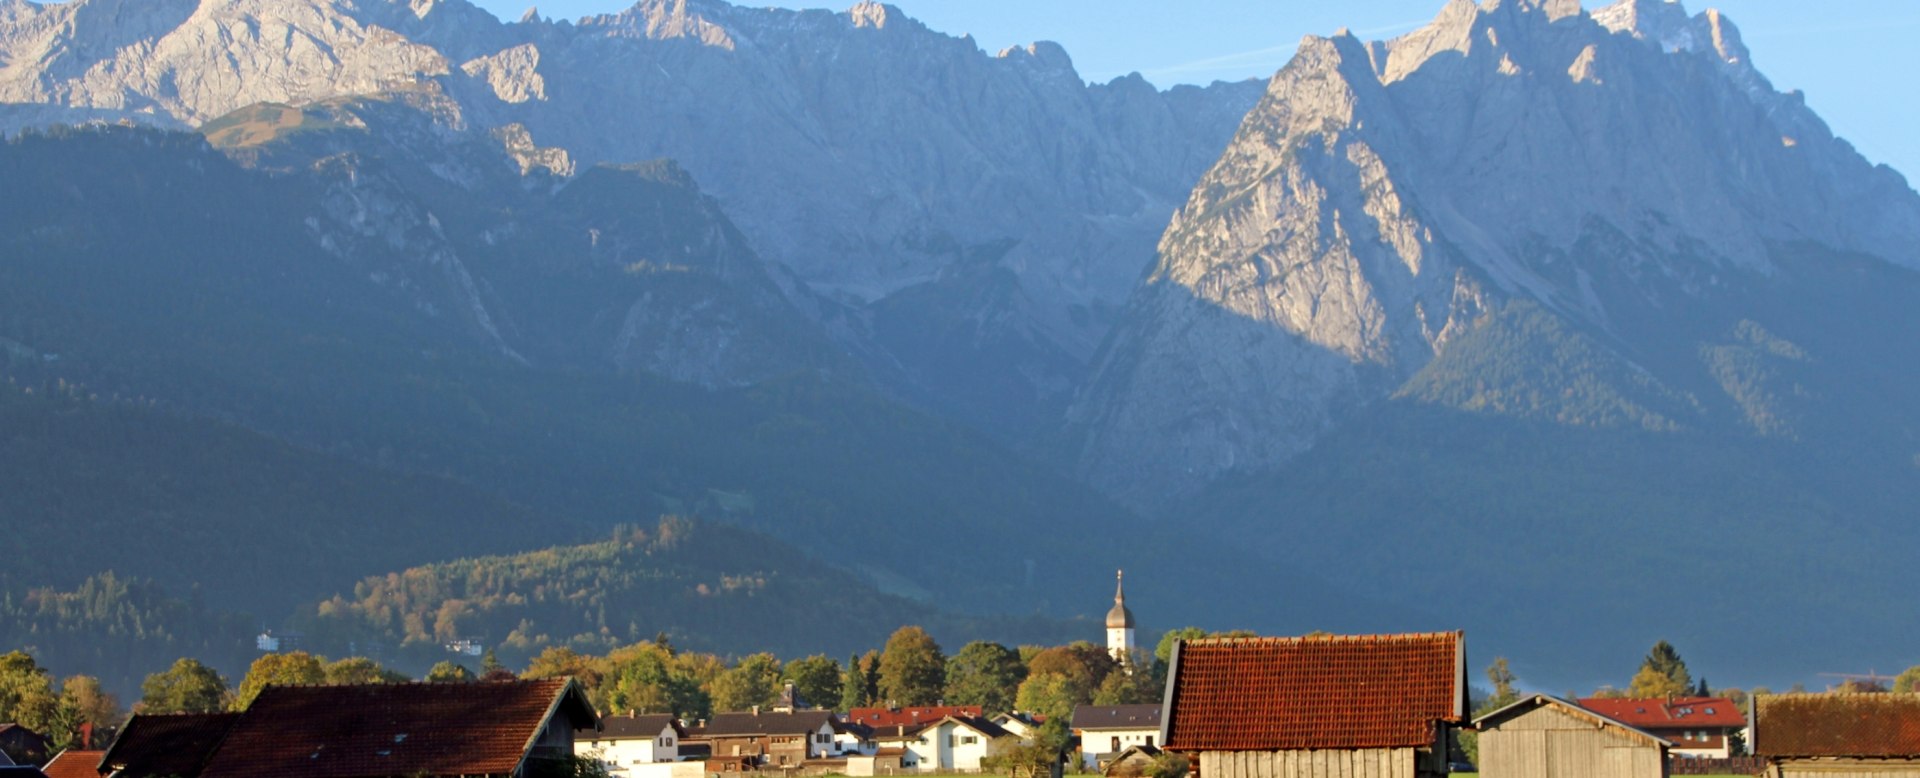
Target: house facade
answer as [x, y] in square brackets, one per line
[1701, 727]
[1334, 705]
[1836, 735]
[1548, 737]
[770, 738]
[622, 742]
[1105, 731]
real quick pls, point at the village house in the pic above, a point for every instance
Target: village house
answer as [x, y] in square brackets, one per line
[24, 746]
[1020, 725]
[507, 729]
[768, 738]
[1838, 734]
[621, 742]
[1107, 730]
[852, 738]
[1698, 727]
[1547, 737]
[1374, 705]
[74, 763]
[949, 744]
[1135, 762]
[157, 746]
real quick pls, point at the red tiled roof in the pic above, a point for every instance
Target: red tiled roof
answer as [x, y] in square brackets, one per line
[1331, 692]
[177, 744]
[73, 763]
[1840, 725]
[1664, 714]
[394, 729]
[907, 717]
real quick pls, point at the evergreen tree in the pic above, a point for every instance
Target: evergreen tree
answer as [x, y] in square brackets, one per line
[853, 685]
[1665, 660]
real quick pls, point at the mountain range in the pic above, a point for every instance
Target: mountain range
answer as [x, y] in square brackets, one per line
[1560, 325]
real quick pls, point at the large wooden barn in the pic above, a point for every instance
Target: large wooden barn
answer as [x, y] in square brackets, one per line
[1548, 737]
[1368, 706]
[1833, 735]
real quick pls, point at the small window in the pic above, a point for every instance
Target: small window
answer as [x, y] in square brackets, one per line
[969, 740]
[1709, 711]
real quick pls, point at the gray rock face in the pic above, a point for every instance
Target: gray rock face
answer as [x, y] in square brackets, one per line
[1382, 197]
[865, 152]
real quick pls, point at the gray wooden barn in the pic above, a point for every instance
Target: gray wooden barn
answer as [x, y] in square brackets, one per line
[1547, 737]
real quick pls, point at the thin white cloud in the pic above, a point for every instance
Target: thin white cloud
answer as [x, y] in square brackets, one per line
[1252, 62]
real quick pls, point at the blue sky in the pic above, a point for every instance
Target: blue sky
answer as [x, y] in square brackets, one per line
[1855, 60]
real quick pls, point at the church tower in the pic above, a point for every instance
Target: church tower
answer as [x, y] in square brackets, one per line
[1120, 622]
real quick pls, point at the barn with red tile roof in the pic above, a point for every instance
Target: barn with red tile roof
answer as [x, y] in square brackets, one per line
[1831, 735]
[1345, 705]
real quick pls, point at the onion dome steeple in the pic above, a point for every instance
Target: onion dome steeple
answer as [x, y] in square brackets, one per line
[1120, 617]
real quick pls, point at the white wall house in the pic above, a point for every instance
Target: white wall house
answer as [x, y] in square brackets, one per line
[960, 744]
[1107, 730]
[621, 742]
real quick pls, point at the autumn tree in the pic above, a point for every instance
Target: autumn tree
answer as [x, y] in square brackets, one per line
[1124, 688]
[1907, 681]
[360, 670]
[27, 696]
[1051, 695]
[912, 669]
[816, 679]
[985, 674]
[186, 687]
[90, 702]
[754, 683]
[296, 667]
[560, 662]
[650, 680]
[446, 671]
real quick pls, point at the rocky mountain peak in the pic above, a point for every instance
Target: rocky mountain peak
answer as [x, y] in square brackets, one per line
[1381, 199]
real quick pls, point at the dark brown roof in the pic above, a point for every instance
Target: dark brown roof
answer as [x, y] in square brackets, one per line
[767, 723]
[74, 763]
[1842, 725]
[1116, 717]
[163, 745]
[642, 727]
[1330, 692]
[373, 730]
